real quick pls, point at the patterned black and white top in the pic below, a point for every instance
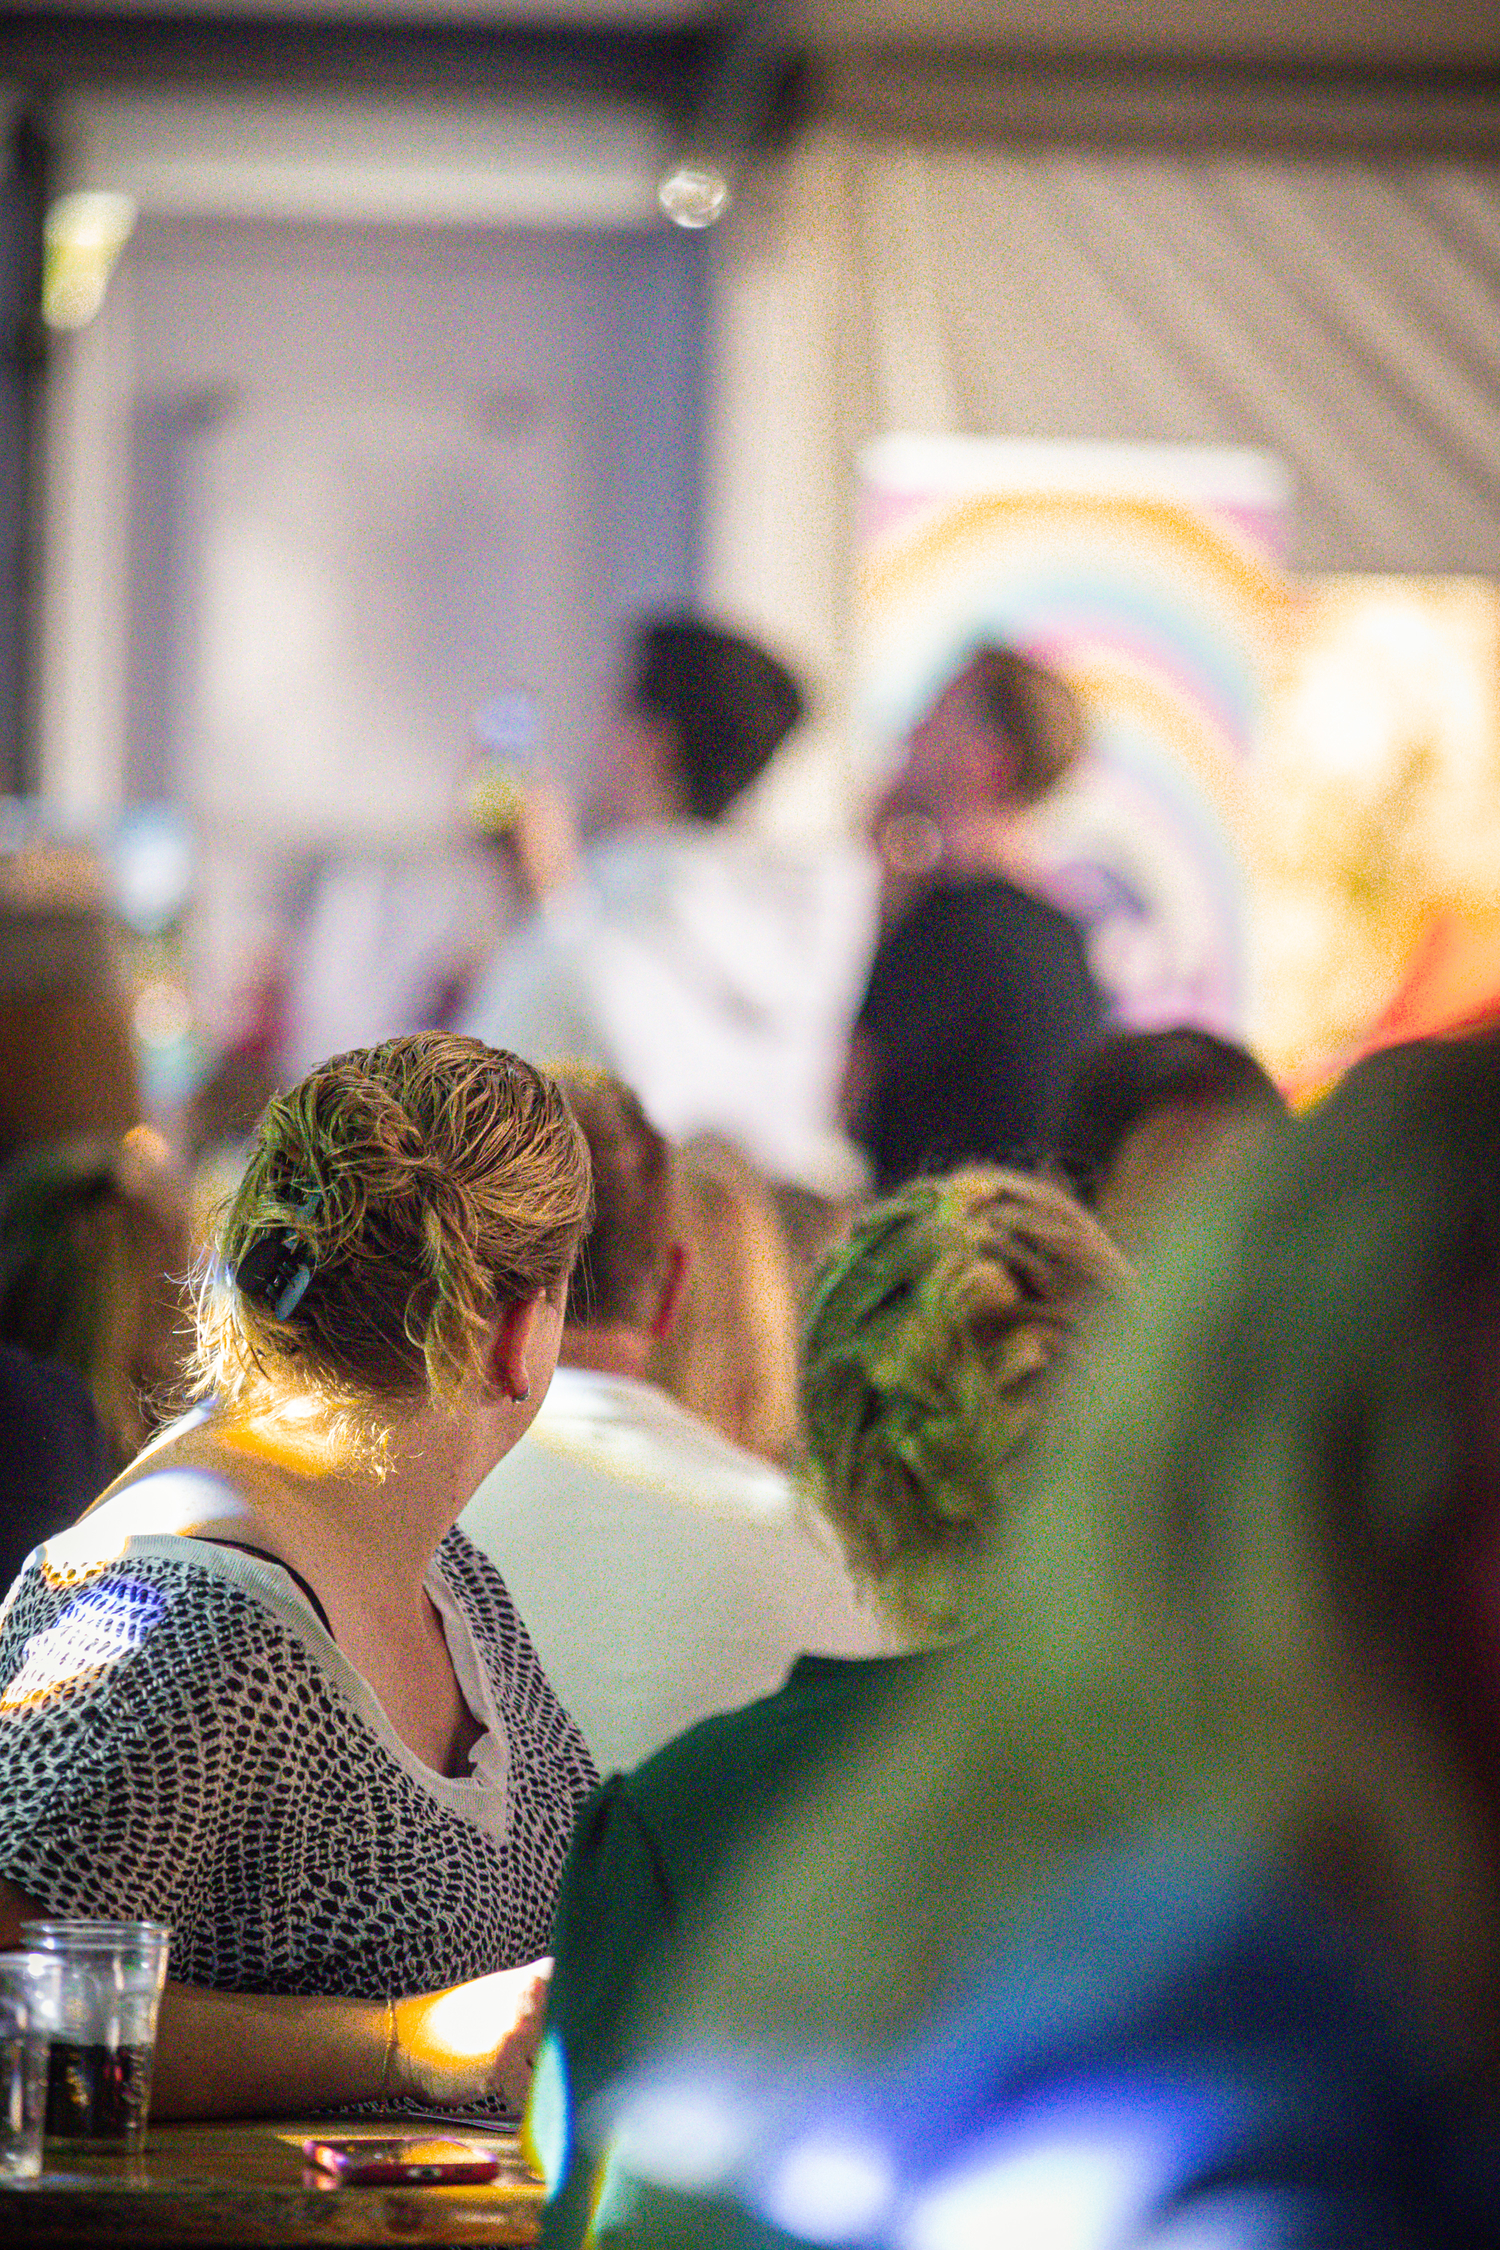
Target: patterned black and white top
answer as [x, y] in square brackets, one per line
[180, 1740]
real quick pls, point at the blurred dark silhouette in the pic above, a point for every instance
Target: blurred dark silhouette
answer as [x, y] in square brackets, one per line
[1170, 1913]
[93, 1254]
[53, 1460]
[1146, 1111]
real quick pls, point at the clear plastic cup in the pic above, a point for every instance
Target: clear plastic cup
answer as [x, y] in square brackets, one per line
[28, 1985]
[101, 2026]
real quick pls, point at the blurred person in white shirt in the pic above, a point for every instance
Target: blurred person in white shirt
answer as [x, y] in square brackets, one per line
[712, 970]
[663, 1573]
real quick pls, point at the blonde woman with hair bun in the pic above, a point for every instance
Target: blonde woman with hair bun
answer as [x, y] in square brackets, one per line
[930, 1344]
[264, 1691]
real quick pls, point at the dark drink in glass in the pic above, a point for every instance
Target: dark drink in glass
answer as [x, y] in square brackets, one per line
[97, 2093]
[100, 2019]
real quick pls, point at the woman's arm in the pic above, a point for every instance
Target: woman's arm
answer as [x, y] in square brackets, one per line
[236, 2054]
[242, 2054]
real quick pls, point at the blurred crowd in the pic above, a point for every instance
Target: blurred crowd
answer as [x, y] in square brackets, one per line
[1008, 1510]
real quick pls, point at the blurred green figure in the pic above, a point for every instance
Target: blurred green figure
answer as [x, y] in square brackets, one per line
[932, 1341]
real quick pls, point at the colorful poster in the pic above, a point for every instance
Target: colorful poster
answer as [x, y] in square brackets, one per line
[1374, 848]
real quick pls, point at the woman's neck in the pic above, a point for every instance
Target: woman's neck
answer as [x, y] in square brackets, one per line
[310, 1493]
[430, 1465]
[985, 840]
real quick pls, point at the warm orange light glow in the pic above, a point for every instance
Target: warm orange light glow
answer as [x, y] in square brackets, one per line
[148, 1145]
[477, 2039]
[283, 1436]
[469, 2022]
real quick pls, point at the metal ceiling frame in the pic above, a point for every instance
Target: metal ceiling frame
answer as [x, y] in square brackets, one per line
[1016, 99]
[64, 51]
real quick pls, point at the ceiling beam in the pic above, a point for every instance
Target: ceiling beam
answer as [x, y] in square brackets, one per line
[1023, 100]
[67, 51]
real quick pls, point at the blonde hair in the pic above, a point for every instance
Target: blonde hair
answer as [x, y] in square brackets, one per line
[928, 1340]
[732, 1353]
[429, 1181]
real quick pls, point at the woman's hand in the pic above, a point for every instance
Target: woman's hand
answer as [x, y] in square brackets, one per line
[476, 2039]
[255, 2054]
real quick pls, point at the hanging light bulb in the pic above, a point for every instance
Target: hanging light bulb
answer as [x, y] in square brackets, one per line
[694, 193]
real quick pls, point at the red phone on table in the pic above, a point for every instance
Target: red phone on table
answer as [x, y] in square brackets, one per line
[405, 2163]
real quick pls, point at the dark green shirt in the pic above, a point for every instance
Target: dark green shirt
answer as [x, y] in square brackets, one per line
[647, 1852]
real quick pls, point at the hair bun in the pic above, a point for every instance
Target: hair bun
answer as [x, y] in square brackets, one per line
[928, 1339]
[447, 1178]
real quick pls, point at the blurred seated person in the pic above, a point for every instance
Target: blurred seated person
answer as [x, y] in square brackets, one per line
[264, 1691]
[53, 1456]
[1169, 1914]
[67, 1058]
[710, 970]
[730, 1354]
[1147, 1112]
[980, 999]
[93, 1266]
[662, 1572]
[932, 1337]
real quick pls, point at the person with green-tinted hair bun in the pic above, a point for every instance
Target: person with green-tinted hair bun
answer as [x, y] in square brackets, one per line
[930, 1344]
[927, 1342]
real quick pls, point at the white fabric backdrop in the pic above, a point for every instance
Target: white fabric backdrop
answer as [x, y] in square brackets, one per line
[1342, 310]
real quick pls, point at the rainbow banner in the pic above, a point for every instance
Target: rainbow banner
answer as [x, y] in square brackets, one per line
[1150, 577]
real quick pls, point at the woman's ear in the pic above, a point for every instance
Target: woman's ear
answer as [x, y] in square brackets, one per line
[675, 1269]
[514, 1335]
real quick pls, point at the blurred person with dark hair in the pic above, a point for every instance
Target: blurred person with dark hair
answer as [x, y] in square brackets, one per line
[1147, 1112]
[980, 998]
[930, 1343]
[1169, 1914]
[730, 1354]
[727, 704]
[93, 1261]
[662, 1571]
[711, 970]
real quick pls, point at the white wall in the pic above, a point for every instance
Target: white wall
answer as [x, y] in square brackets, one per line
[316, 490]
[486, 283]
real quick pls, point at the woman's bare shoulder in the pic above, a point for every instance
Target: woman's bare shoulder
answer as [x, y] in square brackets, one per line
[187, 1481]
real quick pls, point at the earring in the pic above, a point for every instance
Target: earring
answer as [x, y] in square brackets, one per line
[519, 1398]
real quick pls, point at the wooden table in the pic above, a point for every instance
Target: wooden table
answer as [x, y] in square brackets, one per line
[247, 2183]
